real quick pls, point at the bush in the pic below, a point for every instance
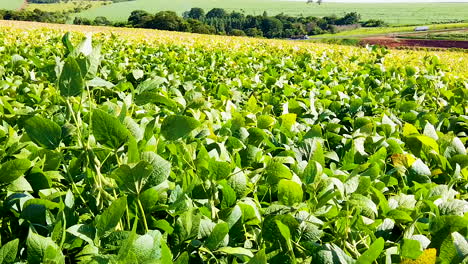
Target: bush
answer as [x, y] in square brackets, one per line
[373, 23]
[237, 32]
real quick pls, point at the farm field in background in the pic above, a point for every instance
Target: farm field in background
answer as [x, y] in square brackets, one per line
[363, 32]
[11, 4]
[451, 35]
[143, 146]
[395, 14]
[68, 6]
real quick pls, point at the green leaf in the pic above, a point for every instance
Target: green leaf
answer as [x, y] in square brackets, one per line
[186, 227]
[13, 169]
[441, 227]
[109, 219]
[372, 253]
[429, 142]
[399, 215]
[217, 236]
[237, 251]
[155, 98]
[40, 247]
[419, 172]
[229, 195]
[312, 172]
[219, 170]
[368, 207]
[276, 171]
[409, 130]
[285, 233]
[411, 248]
[44, 132]
[148, 199]
[8, 252]
[259, 258]
[161, 168]
[126, 255]
[133, 179]
[183, 258]
[175, 127]
[85, 232]
[71, 82]
[166, 254]
[108, 130]
[289, 192]
[238, 182]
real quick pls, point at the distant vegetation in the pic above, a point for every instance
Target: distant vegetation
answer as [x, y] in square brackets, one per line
[215, 21]
[219, 21]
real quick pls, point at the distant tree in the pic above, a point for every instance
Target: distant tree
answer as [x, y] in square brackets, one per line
[349, 19]
[196, 26]
[196, 13]
[373, 23]
[254, 32]
[236, 15]
[271, 27]
[101, 21]
[167, 20]
[82, 21]
[216, 13]
[139, 18]
[237, 32]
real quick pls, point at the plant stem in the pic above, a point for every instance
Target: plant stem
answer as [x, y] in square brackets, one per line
[143, 215]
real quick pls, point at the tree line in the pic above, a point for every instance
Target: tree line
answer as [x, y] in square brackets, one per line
[215, 21]
[219, 21]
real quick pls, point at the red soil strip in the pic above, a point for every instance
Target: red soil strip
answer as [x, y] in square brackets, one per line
[429, 43]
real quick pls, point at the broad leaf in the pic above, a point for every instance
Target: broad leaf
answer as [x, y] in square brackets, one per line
[13, 169]
[175, 127]
[8, 252]
[108, 130]
[44, 132]
[109, 219]
[71, 82]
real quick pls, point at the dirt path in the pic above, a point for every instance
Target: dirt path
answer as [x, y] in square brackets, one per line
[392, 42]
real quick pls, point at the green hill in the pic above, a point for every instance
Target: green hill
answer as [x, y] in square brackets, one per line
[10, 4]
[393, 13]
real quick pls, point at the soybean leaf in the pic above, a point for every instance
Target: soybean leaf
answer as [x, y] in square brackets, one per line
[372, 253]
[217, 235]
[40, 247]
[289, 192]
[411, 248]
[44, 132]
[71, 82]
[8, 252]
[13, 169]
[109, 219]
[108, 130]
[161, 169]
[259, 258]
[175, 127]
[133, 179]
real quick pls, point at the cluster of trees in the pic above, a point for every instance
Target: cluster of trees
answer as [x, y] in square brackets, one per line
[35, 15]
[218, 21]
